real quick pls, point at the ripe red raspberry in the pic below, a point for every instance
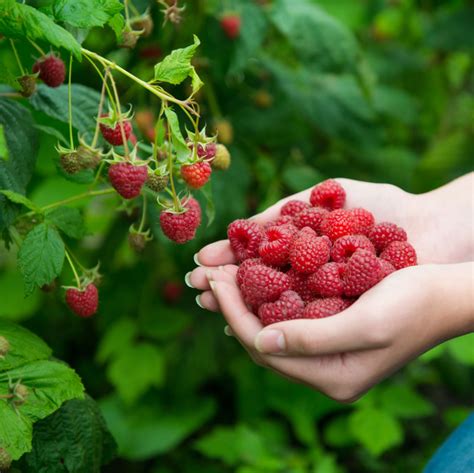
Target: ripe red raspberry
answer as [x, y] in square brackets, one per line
[308, 251]
[328, 194]
[172, 291]
[128, 179]
[281, 220]
[338, 223]
[182, 227]
[321, 308]
[328, 281]
[230, 24]
[384, 233]
[344, 247]
[400, 254]
[114, 135]
[299, 284]
[363, 271]
[52, 70]
[245, 237]
[387, 268]
[365, 220]
[263, 284]
[288, 307]
[241, 271]
[197, 174]
[293, 207]
[211, 150]
[311, 218]
[274, 248]
[83, 302]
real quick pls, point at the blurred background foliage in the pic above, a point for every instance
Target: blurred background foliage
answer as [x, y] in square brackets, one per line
[378, 90]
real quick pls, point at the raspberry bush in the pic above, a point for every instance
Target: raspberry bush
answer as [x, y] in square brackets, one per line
[126, 143]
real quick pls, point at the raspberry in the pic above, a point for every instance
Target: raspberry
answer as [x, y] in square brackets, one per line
[128, 179]
[181, 227]
[263, 284]
[211, 150]
[70, 162]
[338, 223]
[363, 271]
[308, 251]
[344, 247]
[222, 158]
[365, 220]
[294, 207]
[224, 131]
[400, 254]
[114, 135]
[28, 85]
[4, 347]
[197, 174]
[83, 302]
[172, 291]
[281, 220]
[387, 268]
[21, 393]
[275, 245]
[157, 182]
[311, 217]
[328, 281]
[5, 460]
[299, 284]
[230, 24]
[288, 307]
[245, 237]
[321, 308]
[248, 263]
[52, 70]
[384, 233]
[328, 194]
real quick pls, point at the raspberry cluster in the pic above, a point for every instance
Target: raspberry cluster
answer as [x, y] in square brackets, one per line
[315, 259]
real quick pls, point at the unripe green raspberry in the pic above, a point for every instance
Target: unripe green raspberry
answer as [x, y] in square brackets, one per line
[5, 460]
[70, 163]
[156, 182]
[4, 347]
[28, 85]
[222, 159]
[21, 393]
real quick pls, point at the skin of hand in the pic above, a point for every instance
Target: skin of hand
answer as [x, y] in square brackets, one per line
[403, 316]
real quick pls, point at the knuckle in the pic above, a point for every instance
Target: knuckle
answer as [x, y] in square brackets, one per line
[304, 342]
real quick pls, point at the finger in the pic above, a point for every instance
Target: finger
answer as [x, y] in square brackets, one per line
[339, 333]
[199, 278]
[207, 301]
[215, 254]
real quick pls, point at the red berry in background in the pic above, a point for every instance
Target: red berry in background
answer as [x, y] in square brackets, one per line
[400, 254]
[128, 179]
[52, 70]
[181, 227]
[363, 271]
[172, 291]
[288, 307]
[197, 174]
[328, 281]
[344, 247]
[308, 251]
[274, 248]
[231, 24]
[338, 223]
[365, 220]
[294, 207]
[248, 263]
[263, 284]
[384, 233]
[83, 302]
[328, 194]
[321, 308]
[299, 283]
[210, 149]
[311, 217]
[114, 135]
[244, 237]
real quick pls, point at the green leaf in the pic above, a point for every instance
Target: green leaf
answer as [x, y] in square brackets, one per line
[147, 429]
[117, 23]
[53, 132]
[67, 219]
[210, 207]
[18, 20]
[74, 437]
[16, 431]
[175, 67]
[136, 369]
[375, 429]
[86, 13]
[403, 401]
[41, 256]
[462, 350]
[3, 145]
[179, 144]
[298, 177]
[17, 198]
[25, 346]
[118, 337]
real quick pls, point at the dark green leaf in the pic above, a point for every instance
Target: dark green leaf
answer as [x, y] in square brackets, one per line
[69, 220]
[210, 207]
[17, 198]
[179, 144]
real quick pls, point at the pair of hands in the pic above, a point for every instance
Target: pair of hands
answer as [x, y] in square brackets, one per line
[401, 317]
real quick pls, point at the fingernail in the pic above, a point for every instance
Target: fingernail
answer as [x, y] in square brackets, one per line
[196, 260]
[213, 285]
[198, 301]
[270, 341]
[209, 275]
[187, 280]
[228, 331]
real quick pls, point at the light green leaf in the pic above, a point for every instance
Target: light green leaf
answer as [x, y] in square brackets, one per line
[53, 132]
[298, 177]
[3, 145]
[117, 23]
[14, 306]
[17, 198]
[462, 349]
[16, 431]
[179, 144]
[118, 337]
[375, 429]
[67, 219]
[41, 256]
[210, 207]
[403, 401]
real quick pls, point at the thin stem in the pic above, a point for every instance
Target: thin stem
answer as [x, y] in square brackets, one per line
[212, 99]
[127, 14]
[99, 113]
[69, 98]
[73, 268]
[15, 52]
[75, 258]
[6, 396]
[11, 95]
[97, 175]
[37, 47]
[122, 130]
[134, 9]
[144, 209]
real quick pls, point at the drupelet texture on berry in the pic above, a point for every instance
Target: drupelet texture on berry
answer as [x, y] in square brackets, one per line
[400, 254]
[344, 247]
[128, 179]
[308, 251]
[384, 233]
[365, 220]
[244, 237]
[321, 308]
[274, 249]
[363, 271]
[294, 207]
[299, 283]
[83, 302]
[288, 307]
[51, 69]
[338, 223]
[114, 134]
[328, 280]
[328, 194]
[181, 227]
[197, 174]
[311, 218]
[241, 271]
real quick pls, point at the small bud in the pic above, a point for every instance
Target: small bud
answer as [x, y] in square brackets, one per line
[5, 460]
[156, 182]
[4, 347]
[225, 131]
[70, 162]
[222, 159]
[28, 85]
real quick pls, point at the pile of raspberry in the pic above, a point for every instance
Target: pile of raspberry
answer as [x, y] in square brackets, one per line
[316, 258]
